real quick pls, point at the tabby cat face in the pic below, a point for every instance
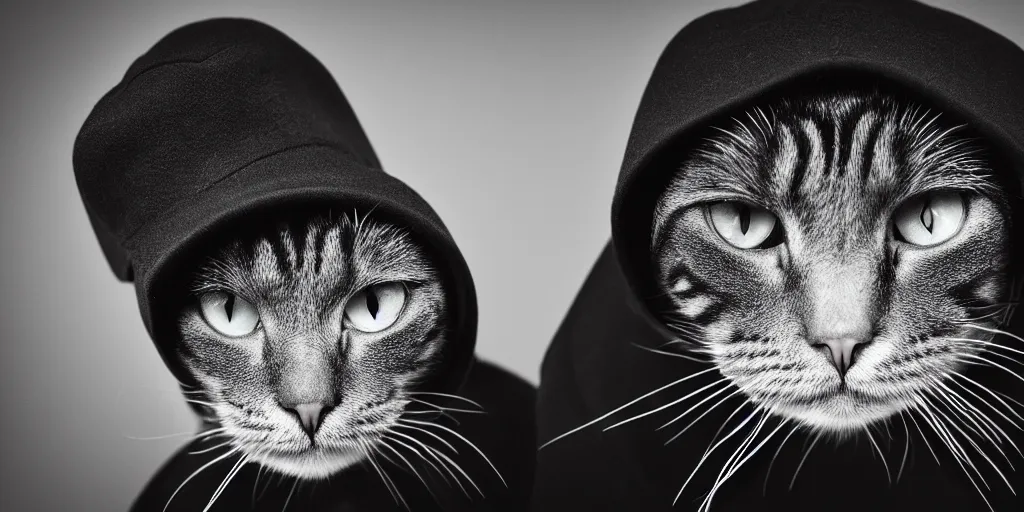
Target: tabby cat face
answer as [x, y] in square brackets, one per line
[306, 341]
[837, 258]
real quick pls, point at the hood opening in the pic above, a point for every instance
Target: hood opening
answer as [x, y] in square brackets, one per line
[170, 293]
[637, 194]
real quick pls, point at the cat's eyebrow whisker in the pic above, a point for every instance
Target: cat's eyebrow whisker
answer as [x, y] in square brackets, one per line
[196, 472]
[606, 415]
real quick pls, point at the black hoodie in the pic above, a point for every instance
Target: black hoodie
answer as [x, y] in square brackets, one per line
[713, 68]
[225, 121]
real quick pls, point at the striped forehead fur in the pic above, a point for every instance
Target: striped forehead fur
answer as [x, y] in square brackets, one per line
[298, 254]
[780, 153]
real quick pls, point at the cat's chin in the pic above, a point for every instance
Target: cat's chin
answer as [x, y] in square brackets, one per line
[312, 464]
[839, 414]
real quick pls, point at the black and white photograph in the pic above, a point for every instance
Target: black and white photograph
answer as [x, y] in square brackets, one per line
[512, 256]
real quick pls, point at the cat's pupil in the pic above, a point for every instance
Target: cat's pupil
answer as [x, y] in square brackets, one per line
[229, 306]
[744, 218]
[927, 218]
[372, 304]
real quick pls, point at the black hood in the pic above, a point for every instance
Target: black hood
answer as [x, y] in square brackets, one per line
[223, 120]
[713, 68]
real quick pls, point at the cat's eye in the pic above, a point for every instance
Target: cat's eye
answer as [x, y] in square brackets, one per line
[743, 225]
[375, 308]
[929, 219]
[228, 313]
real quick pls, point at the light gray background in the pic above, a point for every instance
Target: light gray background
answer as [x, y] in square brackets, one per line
[510, 118]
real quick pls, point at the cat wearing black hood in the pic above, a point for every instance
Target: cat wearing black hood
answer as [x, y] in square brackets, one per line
[808, 301]
[319, 317]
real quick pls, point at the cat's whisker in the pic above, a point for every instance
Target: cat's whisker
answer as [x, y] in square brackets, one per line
[764, 486]
[290, 493]
[960, 455]
[696, 405]
[200, 402]
[159, 438]
[384, 443]
[402, 423]
[945, 400]
[422, 456]
[712, 449]
[994, 330]
[227, 479]
[471, 445]
[196, 472]
[926, 416]
[705, 413]
[445, 409]
[606, 415]
[670, 354]
[993, 427]
[871, 438]
[735, 462]
[256, 482]
[386, 480]
[906, 447]
[994, 408]
[210, 449]
[670, 404]
[923, 437]
[991, 344]
[446, 395]
[994, 364]
[792, 481]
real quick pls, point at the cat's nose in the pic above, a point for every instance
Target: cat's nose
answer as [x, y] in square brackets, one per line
[842, 352]
[310, 416]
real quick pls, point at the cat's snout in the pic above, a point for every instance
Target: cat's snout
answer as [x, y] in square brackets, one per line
[310, 415]
[841, 351]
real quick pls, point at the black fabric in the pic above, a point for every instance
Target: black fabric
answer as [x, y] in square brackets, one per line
[220, 119]
[229, 121]
[711, 69]
[508, 401]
